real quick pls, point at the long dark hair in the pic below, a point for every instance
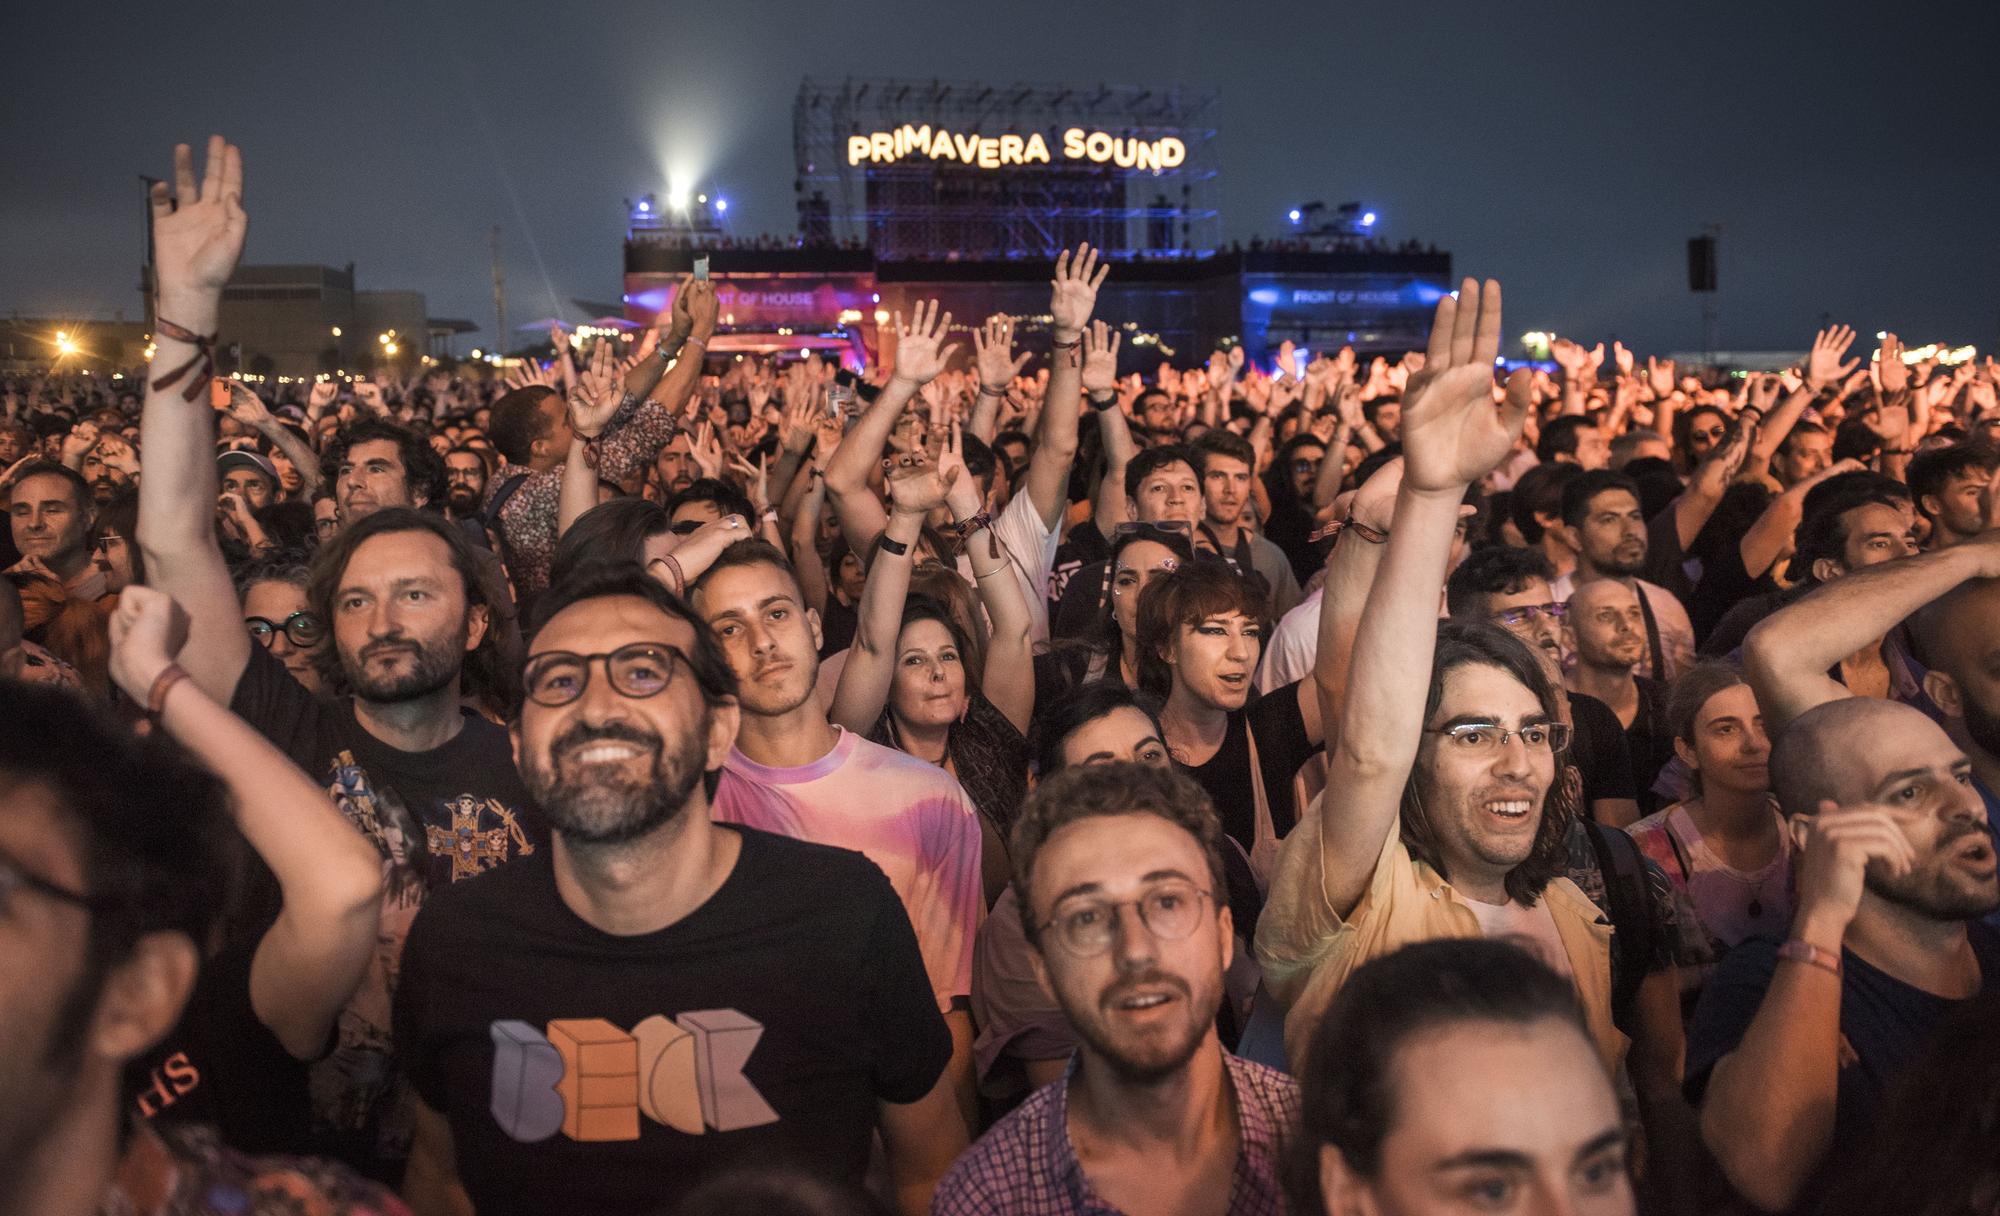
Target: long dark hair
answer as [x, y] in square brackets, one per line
[1462, 644]
[924, 608]
[1347, 1092]
[616, 531]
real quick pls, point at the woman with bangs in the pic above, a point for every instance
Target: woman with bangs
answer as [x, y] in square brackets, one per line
[1140, 553]
[1200, 631]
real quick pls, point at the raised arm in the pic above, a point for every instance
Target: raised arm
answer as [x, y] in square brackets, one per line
[1710, 481]
[249, 409]
[1008, 678]
[198, 236]
[1823, 370]
[1115, 430]
[1770, 537]
[920, 355]
[804, 549]
[1072, 296]
[1350, 572]
[312, 958]
[993, 355]
[1788, 654]
[915, 488]
[1453, 434]
[1767, 1113]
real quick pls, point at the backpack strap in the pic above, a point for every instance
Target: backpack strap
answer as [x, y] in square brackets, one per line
[1630, 908]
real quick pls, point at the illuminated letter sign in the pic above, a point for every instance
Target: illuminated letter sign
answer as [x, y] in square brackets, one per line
[1001, 151]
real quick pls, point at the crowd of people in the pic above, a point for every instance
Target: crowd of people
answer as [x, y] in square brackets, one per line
[995, 783]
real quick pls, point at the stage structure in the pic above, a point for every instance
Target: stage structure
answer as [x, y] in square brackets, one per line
[941, 170]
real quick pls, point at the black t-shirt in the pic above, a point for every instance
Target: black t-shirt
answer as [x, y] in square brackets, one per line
[1885, 1022]
[585, 1072]
[436, 817]
[1282, 749]
[454, 810]
[222, 1066]
[1724, 584]
[836, 627]
[1650, 740]
[1599, 750]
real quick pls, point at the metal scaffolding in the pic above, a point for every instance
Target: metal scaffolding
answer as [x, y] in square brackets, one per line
[925, 206]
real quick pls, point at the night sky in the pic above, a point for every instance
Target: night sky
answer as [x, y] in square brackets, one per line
[1850, 152]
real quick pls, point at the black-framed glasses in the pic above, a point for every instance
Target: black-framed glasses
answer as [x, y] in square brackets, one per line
[643, 669]
[1528, 612]
[14, 878]
[103, 543]
[686, 527]
[1171, 911]
[1486, 738]
[302, 627]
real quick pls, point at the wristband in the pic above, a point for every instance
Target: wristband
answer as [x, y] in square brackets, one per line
[891, 545]
[202, 363]
[1104, 402]
[969, 525]
[992, 392]
[156, 697]
[1805, 952]
[1072, 344]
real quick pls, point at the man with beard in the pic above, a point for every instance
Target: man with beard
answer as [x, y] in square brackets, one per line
[659, 996]
[115, 859]
[1443, 815]
[109, 466]
[1152, 1115]
[464, 483]
[1602, 521]
[1797, 1043]
[405, 610]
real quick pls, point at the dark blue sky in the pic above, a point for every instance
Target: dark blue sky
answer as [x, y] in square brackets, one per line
[1849, 151]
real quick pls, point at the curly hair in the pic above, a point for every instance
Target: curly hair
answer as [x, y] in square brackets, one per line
[1090, 790]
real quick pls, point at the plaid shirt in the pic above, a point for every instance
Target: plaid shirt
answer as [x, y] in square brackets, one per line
[1026, 1166]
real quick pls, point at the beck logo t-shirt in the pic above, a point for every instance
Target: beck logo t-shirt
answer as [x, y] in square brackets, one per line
[583, 1072]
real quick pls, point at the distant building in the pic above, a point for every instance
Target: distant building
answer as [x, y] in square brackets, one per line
[32, 344]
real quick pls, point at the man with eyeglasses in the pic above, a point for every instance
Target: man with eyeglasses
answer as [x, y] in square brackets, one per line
[1119, 872]
[1444, 813]
[675, 996]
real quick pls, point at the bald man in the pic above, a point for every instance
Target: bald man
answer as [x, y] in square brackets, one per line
[1604, 630]
[1960, 638]
[1794, 1044]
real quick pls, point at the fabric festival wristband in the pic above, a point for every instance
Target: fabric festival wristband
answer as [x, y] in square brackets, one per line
[891, 545]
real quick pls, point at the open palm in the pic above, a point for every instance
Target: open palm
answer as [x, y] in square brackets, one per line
[198, 232]
[1452, 432]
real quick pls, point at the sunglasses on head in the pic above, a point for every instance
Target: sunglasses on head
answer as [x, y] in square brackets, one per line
[685, 527]
[1174, 528]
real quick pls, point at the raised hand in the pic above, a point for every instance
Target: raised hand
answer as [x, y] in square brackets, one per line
[77, 442]
[247, 407]
[1840, 844]
[1890, 366]
[916, 486]
[320, 395]
[147, 631]
[369, 394]
[1824, 364]
[1100, 358]
[1660, 376]
[198, 231]
[118, 454]
[598, 393]
[698, 304]
[1622, 359]
[1568, 355]
[1453, 434]
[1763, 393]
[1073, 292]
[1288, 365]
[920, 350]
[992, 349]
[706, 450]
[756, 482]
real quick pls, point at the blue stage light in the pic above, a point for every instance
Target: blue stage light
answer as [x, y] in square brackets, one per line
[1295, 215]
[721, 205]
[1368, 221]
[644, 206]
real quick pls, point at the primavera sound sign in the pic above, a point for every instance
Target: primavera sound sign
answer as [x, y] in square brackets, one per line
[973, 150]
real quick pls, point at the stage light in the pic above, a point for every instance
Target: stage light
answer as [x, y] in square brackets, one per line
[336, 331]
[701, 198]
[389, 348]
[644, 206]
[1368, 220]
[476, 353]
[721, 205]
[1294, 215]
